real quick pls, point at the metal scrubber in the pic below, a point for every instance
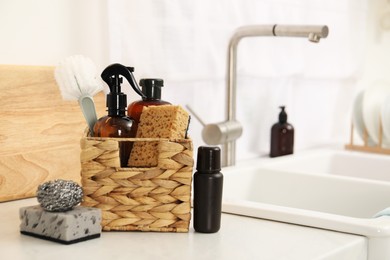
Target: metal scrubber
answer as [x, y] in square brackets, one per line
[59, 195]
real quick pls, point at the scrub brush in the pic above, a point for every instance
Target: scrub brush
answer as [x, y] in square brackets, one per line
[77, 79]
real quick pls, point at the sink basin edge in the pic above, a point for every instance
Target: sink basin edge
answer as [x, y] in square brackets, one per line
[375, 227]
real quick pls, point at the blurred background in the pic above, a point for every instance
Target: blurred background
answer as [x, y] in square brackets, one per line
[185, 43]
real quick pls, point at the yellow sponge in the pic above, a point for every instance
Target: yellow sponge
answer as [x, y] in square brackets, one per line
[166, 121]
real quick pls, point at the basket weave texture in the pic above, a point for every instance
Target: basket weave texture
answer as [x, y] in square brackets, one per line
[138, 199]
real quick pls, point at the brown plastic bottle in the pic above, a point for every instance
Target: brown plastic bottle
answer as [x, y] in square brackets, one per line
[116, 123]
[151, 88]
[282, 136]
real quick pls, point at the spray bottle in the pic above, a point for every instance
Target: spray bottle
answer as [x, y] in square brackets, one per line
[116, 123]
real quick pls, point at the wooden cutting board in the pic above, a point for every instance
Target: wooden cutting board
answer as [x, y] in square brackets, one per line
[39, 132]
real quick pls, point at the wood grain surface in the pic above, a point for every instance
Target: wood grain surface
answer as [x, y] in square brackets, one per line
[39, 132]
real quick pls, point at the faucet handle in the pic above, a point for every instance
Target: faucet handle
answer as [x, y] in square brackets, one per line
[219, 133]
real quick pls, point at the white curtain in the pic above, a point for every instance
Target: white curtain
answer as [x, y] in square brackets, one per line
[185, 43]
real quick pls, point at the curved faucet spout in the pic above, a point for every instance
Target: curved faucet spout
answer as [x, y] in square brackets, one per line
[312, 32]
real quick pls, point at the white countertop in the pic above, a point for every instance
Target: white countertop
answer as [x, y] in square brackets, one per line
[239, 238]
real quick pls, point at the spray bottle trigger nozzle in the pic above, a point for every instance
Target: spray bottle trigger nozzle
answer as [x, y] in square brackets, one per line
[117, 69]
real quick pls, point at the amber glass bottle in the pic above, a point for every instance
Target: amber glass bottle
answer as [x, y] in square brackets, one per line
[151, 88]
[116, 123]
[282, 136]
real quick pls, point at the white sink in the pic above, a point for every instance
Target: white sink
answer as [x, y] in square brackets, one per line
[307, 191]
[336, 162]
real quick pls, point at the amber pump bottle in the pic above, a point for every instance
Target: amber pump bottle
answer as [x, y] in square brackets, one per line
[151, 88]
[282, 136]
[116, 123]
[208, 184]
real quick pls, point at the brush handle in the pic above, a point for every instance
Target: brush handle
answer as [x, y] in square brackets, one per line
[88, 108]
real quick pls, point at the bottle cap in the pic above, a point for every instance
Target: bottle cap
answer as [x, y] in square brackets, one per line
[209, 159]
[282, 115]
[152, 87]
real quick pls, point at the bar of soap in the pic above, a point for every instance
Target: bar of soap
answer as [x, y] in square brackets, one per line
[79, 224]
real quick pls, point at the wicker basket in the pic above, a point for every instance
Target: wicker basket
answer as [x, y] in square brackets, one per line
[138, 199]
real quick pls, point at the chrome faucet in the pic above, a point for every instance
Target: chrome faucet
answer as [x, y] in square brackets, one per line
[227, 132]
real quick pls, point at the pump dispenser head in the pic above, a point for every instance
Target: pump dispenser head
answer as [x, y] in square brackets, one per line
[209, 159]
[152, 88]
[116, 99]
[282, 115]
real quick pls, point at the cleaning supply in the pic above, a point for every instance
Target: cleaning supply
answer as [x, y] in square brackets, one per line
[68, 227]
[116, 123]
[151, 88]
[59, 195]
[165, 121]
[77, 79]
[208, 185]
[58, 218]
[282, 136]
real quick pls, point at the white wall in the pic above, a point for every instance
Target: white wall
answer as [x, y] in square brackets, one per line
[377, 61]
[42, 32]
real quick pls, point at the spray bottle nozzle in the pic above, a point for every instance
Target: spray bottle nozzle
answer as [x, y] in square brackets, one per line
[114, 83]
[117, 69]
[116, 100]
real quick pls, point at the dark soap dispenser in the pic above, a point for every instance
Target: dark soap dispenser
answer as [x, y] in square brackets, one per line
[282, 136]
[151, 88]
[208, 184]
[116, 123]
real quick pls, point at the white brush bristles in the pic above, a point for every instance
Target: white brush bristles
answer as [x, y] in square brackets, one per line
[76, 76]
